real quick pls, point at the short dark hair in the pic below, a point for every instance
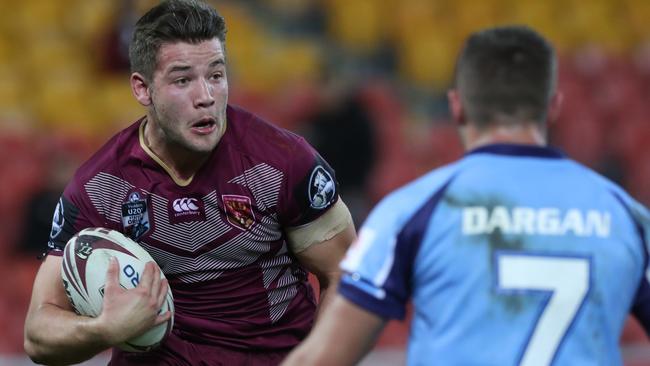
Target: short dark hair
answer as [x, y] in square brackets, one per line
[506, 71]
[172, 21]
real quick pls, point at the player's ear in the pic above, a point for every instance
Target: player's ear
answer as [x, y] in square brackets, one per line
[554, 107]
[140, 89]
[456, 107]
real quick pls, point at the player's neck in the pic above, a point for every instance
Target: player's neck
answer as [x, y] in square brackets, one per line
[522, 134]
[181, 163]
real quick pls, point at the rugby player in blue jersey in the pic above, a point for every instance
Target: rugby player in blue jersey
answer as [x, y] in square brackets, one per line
[513, 255]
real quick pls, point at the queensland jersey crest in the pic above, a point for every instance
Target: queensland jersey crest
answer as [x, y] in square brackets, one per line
[239, 211]
[322, 188]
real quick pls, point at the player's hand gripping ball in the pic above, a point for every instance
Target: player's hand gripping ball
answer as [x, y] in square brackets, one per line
[85, 261]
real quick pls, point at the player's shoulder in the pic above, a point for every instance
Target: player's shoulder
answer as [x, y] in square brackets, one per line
[110, 155]
[600, 181]
[636, 209]
[256, 136]
[404, 202]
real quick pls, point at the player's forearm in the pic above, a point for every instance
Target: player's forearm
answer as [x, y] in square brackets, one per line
[57, 336]
[361, 329]
[306, 354]
[328, 287]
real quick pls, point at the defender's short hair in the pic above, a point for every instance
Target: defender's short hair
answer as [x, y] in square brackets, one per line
[506, 72]
[170, 21]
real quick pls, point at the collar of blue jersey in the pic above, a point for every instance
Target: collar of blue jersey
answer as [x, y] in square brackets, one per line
[519, 150]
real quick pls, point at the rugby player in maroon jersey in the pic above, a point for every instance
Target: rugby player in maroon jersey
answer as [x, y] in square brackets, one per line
[234, 210]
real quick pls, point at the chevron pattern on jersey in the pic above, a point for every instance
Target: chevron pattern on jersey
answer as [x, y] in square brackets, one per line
[188, 236]
[281, 296]
[264, 182]
[272, 267]
[105, 192]
[237, 252]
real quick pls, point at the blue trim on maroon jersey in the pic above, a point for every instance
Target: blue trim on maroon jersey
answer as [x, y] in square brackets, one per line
[520, 150]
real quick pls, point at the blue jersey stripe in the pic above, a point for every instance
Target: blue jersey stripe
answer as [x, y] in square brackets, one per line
[365, 296]
[409, 241]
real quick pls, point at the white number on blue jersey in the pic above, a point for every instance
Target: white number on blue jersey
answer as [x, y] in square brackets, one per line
[567, 278]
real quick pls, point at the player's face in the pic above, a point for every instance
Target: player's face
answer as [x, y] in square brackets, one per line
[189, 94]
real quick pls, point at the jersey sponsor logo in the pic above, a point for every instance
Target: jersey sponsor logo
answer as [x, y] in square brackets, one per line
[185, 205]
[186, 209]
[58, 220]
[135, 216]
[536, 221]
[239, 211]
[322, 188]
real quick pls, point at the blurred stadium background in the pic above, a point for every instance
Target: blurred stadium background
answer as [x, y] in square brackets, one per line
[364, 80]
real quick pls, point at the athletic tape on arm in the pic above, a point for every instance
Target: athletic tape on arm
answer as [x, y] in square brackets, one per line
[332, 222]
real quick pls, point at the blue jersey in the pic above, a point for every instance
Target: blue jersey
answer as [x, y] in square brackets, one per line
[514, 255]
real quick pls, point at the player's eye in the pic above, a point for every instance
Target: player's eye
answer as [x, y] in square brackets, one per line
[216, 76]
[181, 81]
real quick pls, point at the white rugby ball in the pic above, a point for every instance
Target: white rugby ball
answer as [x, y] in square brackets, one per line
[85, 261]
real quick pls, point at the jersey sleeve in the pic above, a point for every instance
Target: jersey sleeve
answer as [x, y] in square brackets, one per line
[377, 268]
[311, 187]
[71, 215]
[641, 306]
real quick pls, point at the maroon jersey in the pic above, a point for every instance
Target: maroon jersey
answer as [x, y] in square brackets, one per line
[218, 238]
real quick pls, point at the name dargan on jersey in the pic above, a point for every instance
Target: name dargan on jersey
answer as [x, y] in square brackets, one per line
[530, 221]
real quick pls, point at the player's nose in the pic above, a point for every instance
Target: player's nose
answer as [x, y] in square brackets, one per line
[203, 94]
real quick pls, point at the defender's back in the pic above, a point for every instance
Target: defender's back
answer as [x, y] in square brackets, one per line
[513, 255]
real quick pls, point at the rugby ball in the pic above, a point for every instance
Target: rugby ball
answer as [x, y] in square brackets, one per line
[85, 261]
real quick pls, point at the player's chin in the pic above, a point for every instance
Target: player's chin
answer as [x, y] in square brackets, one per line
[203, 145]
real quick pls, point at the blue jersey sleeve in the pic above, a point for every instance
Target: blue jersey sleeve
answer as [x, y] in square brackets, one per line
[378, 268]
[641, 306]
[371, 261]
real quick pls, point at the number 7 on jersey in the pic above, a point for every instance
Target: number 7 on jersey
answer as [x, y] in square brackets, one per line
[566, 278]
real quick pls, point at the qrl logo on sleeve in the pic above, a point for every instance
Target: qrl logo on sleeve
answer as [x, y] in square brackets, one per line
[58, 220]
[322, 188]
